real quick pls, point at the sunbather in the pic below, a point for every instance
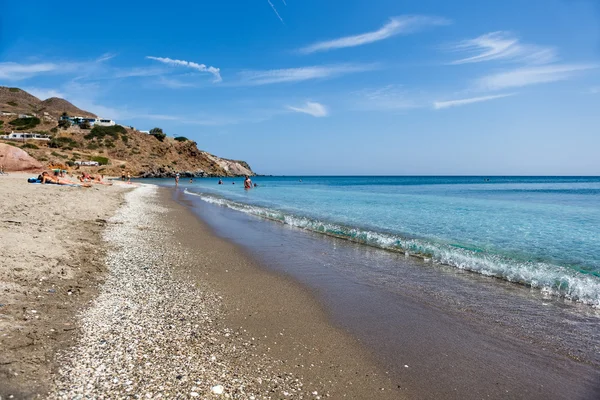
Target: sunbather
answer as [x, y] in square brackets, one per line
[46, 178]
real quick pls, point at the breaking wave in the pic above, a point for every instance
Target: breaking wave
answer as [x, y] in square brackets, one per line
[551, 279]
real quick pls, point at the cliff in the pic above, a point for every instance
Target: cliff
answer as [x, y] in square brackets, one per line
[119, 149]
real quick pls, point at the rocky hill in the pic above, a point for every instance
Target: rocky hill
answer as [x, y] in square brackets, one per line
[19, 101]
[118, 149]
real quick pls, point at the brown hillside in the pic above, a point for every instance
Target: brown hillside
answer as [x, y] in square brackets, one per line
[56, 106]
[123, 150]
[19, 101]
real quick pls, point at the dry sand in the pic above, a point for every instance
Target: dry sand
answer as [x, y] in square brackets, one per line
[51, 258]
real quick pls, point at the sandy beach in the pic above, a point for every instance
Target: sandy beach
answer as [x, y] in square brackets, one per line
[103, 302]
[51, 260]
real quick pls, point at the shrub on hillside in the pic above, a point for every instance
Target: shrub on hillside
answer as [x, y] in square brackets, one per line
[54, 130]
[62, 142]
[64, 123]
[12, 103]
[100, 132]
[158, 134]
[85, 125]
[124, 138]
[181, 139]
[14, 89]
[29, 146]
[55, 154]
[101, 160]
[1, 123]
[21, 124]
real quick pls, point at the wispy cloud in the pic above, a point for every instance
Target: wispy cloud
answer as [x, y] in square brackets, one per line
[138, 72]
[265, 77]
[390, 97]
[189, 64]
[15, 71]
[594, 90]
[275, 11]
[503, 46]
[395, 26]
[461, 102]
[311, 108]
[531, 75]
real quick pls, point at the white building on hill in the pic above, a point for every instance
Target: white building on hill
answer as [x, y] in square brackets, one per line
[25, 136]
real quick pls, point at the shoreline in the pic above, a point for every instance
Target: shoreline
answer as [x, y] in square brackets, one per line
[472, 351]
[183, 312]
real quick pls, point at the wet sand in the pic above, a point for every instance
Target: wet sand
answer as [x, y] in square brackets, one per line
[431, 344]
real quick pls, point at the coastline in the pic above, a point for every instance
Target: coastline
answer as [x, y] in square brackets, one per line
[174, 307]
[461, 335]
[185, 313]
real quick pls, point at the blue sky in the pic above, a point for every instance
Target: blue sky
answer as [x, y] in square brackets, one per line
[330, 87]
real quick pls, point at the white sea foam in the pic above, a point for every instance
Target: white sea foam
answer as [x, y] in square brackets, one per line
[551, 279]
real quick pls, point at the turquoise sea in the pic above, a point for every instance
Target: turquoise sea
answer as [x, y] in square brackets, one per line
[542, 232]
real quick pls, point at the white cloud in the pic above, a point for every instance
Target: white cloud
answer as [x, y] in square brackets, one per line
[396, 26]
[43, 93]
[14, 71]
[189, 64]
[461, 102]
[300, 74]
[311, 108]
[390, 97]
[275, 11]
[503, 46]
[531, 75]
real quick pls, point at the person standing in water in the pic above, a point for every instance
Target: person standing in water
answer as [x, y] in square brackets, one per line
[177, 179]
[247, 183]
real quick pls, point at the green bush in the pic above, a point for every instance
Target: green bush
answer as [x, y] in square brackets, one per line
[25, 123]
[12, 103]
[64, 123]
[158, 134]
[99, 132]
[54, 130]
[92, 146]
[62, 142]
[14, 89]
[55, 154]
[70, 163]
[124, 138]
[100, 160]
[85, 125]
[181, 139]
[29, 146]
[1, 123]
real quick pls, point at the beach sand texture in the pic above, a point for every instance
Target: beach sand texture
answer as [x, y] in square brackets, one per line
[150, 303]
[51, 257]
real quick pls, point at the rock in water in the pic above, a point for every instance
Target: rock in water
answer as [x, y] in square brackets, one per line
[15, 159]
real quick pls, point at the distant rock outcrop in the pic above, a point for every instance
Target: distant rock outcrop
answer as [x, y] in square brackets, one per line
[14, 159]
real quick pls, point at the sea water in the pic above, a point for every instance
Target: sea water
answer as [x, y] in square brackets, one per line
[542, 232]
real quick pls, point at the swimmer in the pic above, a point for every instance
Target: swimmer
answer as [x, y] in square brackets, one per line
[247, 183]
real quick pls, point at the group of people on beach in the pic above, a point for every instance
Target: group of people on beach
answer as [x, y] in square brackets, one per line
[59, 178]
